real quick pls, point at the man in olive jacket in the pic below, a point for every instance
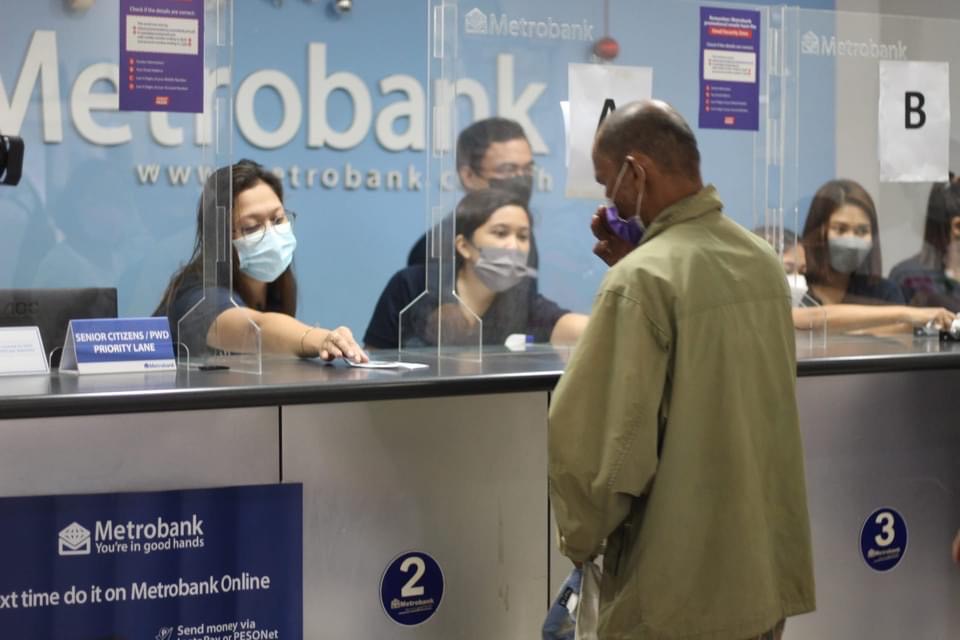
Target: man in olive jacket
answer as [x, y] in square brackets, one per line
[674, 433]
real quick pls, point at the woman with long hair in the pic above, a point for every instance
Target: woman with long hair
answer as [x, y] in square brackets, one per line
[494, 282]
[841, 246]
[264, 286]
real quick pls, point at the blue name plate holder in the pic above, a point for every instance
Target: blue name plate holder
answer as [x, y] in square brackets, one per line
[118, 345]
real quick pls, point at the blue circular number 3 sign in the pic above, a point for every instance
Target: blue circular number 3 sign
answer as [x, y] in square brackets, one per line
[411, 588]
[883, 539]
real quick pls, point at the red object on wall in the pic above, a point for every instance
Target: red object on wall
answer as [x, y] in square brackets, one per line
[606, 48]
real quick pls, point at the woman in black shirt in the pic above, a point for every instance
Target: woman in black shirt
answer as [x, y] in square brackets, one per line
[495, 286]
[264, 289]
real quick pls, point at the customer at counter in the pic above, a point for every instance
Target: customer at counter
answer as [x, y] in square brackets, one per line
[843, 266]
[264, 286]
[491, 153]
[932, 277]
[673, 432]
[494, 283]
[838, 318]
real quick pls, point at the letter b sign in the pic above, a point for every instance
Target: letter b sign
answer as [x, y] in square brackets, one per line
[914, 115]
[913, 133]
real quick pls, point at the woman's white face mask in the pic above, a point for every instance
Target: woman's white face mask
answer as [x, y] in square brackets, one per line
[267, 258]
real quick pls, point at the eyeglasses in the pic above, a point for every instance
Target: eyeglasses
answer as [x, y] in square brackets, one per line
[254, 230]
[512, 170]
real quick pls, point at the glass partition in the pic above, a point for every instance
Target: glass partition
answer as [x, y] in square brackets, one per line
[212, 329]
[424, 221]
[110, 198]
[874, 204]
[531, 81]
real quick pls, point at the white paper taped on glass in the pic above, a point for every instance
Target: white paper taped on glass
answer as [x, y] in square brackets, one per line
[590, 86]
[914, 121]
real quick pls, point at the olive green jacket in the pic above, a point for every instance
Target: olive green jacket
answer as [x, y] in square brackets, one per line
[674, 436]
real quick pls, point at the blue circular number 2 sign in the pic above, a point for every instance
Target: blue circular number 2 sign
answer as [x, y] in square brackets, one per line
[883, 539]
[411, 588]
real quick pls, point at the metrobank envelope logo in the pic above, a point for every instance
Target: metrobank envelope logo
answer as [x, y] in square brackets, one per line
[74, 540]
[810, 43]
[475, 22]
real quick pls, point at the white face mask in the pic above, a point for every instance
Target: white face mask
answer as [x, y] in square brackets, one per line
[267, 258]
[798, 287]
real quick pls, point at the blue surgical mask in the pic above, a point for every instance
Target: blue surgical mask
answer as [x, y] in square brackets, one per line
[267, 258]
[629, 229]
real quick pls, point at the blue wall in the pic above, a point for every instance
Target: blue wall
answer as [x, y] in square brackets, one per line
[91, 214]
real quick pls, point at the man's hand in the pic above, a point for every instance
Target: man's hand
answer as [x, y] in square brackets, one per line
[610, 247]
[956, 548]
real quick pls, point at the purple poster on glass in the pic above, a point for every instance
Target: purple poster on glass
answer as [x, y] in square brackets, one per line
[161, 55]
[729, 69]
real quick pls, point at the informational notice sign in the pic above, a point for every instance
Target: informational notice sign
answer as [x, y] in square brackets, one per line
[118, 345]
[161, 55]
[21, 351]
[212, 564]
[729, 69]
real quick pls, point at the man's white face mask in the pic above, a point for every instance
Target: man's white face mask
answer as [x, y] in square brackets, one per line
[798, 287]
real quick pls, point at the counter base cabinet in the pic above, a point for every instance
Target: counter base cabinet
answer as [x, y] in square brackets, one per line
[873, 441]
[460, 478]
[463, 479]
[138, 451]
[884, 440]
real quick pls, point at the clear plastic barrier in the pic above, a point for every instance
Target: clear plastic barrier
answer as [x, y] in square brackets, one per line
[377, 155]
[874, 203]
[109, 199]
[209, 336]
[505, 130]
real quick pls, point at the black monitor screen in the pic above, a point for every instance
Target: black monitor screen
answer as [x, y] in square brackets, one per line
[53, 309]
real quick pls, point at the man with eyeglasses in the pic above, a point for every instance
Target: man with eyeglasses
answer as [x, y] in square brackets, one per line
[492, 153]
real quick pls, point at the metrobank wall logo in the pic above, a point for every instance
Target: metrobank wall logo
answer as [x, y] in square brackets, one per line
[478, 23]
[131, 537]
[815, 44]
[74, 540]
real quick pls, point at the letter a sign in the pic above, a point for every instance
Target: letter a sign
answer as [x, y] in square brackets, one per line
[914, 135]
[596, 90]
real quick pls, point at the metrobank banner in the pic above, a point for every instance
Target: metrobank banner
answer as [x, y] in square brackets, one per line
[212, 564]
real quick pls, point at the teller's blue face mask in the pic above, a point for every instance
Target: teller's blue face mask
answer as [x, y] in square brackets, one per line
[629, 229]
[265, 259]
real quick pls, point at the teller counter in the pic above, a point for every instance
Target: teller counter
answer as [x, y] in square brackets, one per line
[451, 460]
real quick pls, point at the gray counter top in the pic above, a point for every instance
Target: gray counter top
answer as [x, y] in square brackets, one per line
[291, 381]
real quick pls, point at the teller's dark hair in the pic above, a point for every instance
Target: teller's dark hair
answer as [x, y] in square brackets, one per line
[943, 205]
[473, 142]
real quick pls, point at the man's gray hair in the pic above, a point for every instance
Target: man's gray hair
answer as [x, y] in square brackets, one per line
[655, 129]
